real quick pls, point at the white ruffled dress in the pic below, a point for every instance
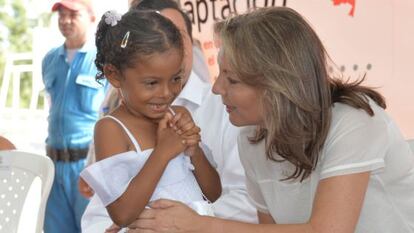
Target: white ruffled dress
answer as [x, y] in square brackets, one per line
[110, 177]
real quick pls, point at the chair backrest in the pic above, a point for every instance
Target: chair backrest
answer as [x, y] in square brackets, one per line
[16, 65]
[411, 143]
[17, 173]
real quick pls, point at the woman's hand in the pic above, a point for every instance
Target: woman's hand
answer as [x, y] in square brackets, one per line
[167, 216]
[113, 229]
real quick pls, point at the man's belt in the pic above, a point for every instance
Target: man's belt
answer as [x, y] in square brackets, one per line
[66, 155]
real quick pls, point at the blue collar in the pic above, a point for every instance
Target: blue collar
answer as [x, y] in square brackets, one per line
[84, 49]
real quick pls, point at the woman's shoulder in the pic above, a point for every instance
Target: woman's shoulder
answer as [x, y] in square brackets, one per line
[356, 140]
[350, 124]
[348, 116]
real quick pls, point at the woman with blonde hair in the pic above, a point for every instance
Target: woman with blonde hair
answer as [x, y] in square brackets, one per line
[320, 155]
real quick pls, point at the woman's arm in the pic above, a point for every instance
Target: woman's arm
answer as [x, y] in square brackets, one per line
[206, 175]
[336, 209]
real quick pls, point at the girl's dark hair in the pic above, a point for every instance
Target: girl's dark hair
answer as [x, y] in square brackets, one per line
[160, 5]
[149, 33]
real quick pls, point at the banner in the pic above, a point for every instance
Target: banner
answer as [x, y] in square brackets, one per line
[363, 37]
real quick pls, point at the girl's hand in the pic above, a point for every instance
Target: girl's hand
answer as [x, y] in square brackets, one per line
[191, 140]
[183, 122]
[169, 144]
[184, 125]
[192, 143]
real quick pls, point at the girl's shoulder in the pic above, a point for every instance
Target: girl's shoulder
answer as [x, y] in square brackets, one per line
[108, 124]
[110, 138]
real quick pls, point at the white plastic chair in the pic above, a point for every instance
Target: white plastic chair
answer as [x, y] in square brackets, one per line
[13, 72]
[18, 170]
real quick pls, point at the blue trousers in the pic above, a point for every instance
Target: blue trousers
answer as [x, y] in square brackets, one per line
[65, 205]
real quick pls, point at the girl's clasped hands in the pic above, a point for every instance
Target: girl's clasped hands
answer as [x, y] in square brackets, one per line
[177, 132]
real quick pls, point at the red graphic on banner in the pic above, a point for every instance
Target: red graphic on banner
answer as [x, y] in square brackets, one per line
[350, 2]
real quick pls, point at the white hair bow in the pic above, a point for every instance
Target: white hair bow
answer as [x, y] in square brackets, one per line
[112, 17]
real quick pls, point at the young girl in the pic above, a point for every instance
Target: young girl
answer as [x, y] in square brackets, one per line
[139, 146]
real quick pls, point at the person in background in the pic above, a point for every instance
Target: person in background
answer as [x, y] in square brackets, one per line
[199, 62]
[69, 77]
[321, 154]
[5, 144]
[218, 135]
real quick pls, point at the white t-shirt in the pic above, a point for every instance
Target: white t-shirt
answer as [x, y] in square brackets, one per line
[355, 143]
[219, 137]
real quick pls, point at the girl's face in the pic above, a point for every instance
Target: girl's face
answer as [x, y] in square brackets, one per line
[150, 87]
[241, 100]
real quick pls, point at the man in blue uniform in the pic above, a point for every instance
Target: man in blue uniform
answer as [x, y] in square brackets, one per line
[69, 77]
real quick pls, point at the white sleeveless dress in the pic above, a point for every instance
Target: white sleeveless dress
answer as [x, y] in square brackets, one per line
[110, 177]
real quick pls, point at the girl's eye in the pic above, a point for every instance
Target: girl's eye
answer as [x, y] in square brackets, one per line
[177, 79]
[151, 83]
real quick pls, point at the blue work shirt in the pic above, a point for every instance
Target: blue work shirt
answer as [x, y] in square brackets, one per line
[75, 97]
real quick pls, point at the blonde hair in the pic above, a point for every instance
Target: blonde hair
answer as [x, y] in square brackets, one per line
[277, 51]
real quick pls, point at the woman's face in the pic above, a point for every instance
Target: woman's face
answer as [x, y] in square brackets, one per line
[241, 100]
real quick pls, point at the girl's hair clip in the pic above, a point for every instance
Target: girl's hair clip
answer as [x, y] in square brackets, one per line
[112, 18]
[125, 40]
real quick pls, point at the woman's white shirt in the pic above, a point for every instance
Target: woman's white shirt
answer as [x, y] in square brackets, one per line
[356, 142]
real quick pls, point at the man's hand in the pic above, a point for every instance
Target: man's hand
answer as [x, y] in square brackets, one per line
[84, 189]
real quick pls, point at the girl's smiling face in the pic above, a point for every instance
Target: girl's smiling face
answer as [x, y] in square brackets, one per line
[149, 87]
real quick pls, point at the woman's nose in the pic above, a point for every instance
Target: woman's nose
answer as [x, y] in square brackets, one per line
[218, 88]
